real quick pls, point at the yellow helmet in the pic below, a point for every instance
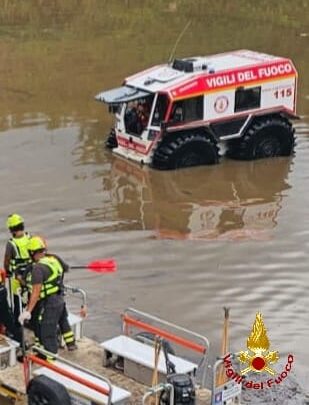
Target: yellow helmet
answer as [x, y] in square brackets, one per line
[36, 243]
[14, 220]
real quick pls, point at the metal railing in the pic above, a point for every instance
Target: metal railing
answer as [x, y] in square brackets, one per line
[197, 342]
[77, 290]
[82, 295]
[32, 358]
[220, 362]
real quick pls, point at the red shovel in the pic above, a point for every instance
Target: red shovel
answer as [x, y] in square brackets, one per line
[99, 266]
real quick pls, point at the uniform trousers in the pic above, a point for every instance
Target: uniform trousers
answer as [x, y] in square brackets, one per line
[45, 319]
[49, 314]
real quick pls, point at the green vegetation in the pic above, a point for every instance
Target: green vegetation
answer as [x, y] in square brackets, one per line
[53, 19]
[56, 55]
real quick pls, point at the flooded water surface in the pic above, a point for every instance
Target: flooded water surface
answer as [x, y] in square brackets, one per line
[187, 242]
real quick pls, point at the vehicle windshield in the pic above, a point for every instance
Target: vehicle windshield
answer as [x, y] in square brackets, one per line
[115, 108]
[136, 116]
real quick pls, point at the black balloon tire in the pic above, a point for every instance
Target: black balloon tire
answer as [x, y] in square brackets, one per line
[185, 149]
[45, 391]
[266, 137]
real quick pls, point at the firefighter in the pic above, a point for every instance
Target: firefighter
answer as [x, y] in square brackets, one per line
[46, 307]
[6, 316]
[16, 259]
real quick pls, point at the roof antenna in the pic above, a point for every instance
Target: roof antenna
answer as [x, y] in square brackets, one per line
[177, 41]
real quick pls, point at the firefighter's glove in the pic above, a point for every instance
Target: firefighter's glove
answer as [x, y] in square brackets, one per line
[83, 311]
[24, 316]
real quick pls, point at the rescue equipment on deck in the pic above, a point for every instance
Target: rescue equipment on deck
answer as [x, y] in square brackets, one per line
[44, 390]
[183, 385]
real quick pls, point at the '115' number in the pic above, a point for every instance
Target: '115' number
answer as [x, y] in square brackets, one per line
[283, 93]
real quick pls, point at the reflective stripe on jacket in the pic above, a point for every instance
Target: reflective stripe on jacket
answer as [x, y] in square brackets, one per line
[53, 284]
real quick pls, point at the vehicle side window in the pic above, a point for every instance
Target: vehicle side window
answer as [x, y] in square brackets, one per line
[160, 110]
[190, 109]
[246, 99]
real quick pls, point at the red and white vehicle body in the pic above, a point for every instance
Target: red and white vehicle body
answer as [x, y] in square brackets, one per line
[217, 98]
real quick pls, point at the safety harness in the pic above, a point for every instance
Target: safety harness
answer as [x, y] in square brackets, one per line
[54, 283]
[20, 261]
[21, 258]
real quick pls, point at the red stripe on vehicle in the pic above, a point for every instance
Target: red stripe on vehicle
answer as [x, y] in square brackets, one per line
[130, 144]
[234, 78]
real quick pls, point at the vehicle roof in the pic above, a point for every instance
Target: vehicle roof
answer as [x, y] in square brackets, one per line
[168, 79]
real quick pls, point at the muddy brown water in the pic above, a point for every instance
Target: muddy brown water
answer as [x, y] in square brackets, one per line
[187, 243]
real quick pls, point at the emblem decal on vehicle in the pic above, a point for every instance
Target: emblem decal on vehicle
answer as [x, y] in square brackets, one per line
[221, 104]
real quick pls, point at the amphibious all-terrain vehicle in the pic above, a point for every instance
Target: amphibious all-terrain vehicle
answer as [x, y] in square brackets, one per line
[179, 114]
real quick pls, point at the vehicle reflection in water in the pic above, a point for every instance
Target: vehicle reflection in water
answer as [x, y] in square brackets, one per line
[230, 201]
